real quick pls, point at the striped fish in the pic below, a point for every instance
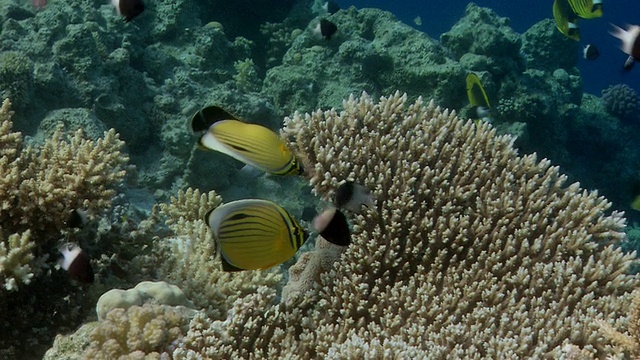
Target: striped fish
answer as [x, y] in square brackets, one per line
[254, 234]
[566, 19]
[587, 9]
[477, 97]
[253, 144]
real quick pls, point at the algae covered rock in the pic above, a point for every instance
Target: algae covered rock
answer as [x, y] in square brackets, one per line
[375, 52]
[488, 37]
[16, 79]
[545, 48]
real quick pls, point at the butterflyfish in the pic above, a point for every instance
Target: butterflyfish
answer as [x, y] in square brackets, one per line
[590, 52]
[566, 19]
[478, 97]
[635, 203]
[252, 144]
[128, 9]
[77, 218]
[331, 7]
[254, 234]
[586, 9]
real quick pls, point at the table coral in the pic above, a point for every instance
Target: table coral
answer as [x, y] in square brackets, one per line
[470, 252]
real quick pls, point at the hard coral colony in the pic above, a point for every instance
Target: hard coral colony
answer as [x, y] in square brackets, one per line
[371, 223]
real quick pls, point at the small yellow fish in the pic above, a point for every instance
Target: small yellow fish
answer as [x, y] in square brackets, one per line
[254, 145]
[478, 97]
[587, 9]
[254, 234]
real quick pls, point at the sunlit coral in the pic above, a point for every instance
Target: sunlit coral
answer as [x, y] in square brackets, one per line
[470, 252]
[137, 332]
[40, 184]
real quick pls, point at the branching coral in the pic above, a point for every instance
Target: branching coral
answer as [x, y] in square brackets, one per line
[41, 184]
[628, 343]
[470, 252]
[191, 261]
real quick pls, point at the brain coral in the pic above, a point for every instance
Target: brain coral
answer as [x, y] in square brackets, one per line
[622, 102]
[470, 252]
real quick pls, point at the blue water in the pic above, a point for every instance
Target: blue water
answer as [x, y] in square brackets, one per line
[439, 16]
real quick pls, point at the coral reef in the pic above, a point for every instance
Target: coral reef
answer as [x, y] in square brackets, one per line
[545, 48]
[482, 40]
[41, 184]
[628, 343]
[377, 54]
[138, 332]
[622, 101]
[16, 79]
[470, 251]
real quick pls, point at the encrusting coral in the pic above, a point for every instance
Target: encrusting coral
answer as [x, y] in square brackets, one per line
[41, 184]
[139, 332]
[470, 252]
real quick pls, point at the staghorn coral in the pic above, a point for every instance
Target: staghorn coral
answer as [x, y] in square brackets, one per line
[41, 184]
[470, 252]
[190, 257]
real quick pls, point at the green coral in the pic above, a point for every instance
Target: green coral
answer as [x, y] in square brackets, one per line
[246, 76]
[16, 79]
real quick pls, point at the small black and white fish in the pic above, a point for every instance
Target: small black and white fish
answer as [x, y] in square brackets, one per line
[590, 52]
[332, 225]
[630, 43]
[77, 219]
[331, 7]
[77, 263]
[128, 9]
[325, 29]
[352, 196]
